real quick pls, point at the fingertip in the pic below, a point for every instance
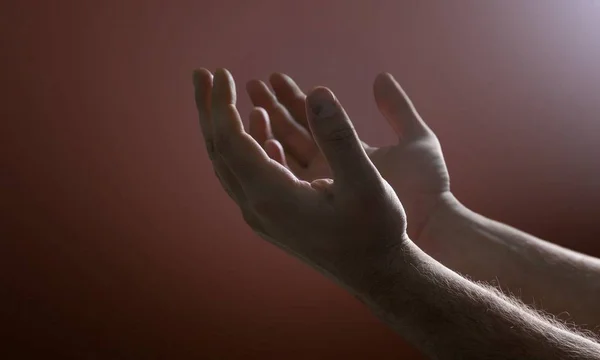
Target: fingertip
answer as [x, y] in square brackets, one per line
[259, 127]
[395, 105]
[323, 185]
[276, 77]
[384, 76]
[202, 72]
[383, 82]
[320, 93]
[255, 86]
[196, 76]
[273, 145]
[224, 76]
[321, 102]
[260, 117]
[224, 86]
[278, 80]
[260, 94]
[222, 72]
[220, 75]
[201, 77]
[259, 111]
[275, 151]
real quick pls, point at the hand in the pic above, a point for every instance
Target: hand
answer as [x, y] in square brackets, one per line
[346, 227]
[414, 167]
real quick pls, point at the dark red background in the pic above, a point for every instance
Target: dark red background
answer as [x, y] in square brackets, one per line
[117, 240]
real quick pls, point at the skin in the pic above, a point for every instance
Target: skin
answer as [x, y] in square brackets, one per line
[414, 166]
[352, 228]
[553, 278]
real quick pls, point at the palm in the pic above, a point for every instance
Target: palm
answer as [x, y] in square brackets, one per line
[414, 167]
[316, 168]
[416, 171]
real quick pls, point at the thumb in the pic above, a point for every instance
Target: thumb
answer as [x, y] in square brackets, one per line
[337, 139]
[397, 108]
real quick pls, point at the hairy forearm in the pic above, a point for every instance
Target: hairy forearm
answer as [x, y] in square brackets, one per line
[449, 317]
[555, 279]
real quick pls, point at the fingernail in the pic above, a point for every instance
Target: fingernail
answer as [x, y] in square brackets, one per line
[322, 102]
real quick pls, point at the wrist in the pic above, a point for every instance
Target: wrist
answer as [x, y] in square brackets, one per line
[447, 214]
[391, 274]
[409, 290]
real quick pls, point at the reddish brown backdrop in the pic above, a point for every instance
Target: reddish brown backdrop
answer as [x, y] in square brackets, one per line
[116, 239]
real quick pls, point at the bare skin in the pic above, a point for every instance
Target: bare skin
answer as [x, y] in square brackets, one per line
[352, 228]
[556, 279]
[414, 166]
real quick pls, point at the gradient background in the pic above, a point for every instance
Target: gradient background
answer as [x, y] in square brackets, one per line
[117, 240]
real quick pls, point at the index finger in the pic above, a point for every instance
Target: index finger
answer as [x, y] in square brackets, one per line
[203, 82]
[243, 155]
[291, 96]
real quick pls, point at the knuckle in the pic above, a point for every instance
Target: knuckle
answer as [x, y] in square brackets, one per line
[340, 134]
[370, 195]
[222, 145]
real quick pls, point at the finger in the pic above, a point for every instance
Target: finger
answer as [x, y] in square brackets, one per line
[260, 130]
[323, 185]
[275, 151]
[242, 154]
[294, 137]
[289, 95]
[337, 139]
[292, 97]
[397, 108]
[203, 82]
[260, 126]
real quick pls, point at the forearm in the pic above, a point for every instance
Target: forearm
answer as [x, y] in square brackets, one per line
[553, 278]
[449, 317]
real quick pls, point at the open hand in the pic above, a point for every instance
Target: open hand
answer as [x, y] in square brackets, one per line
[346, 224]
[414, 166]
